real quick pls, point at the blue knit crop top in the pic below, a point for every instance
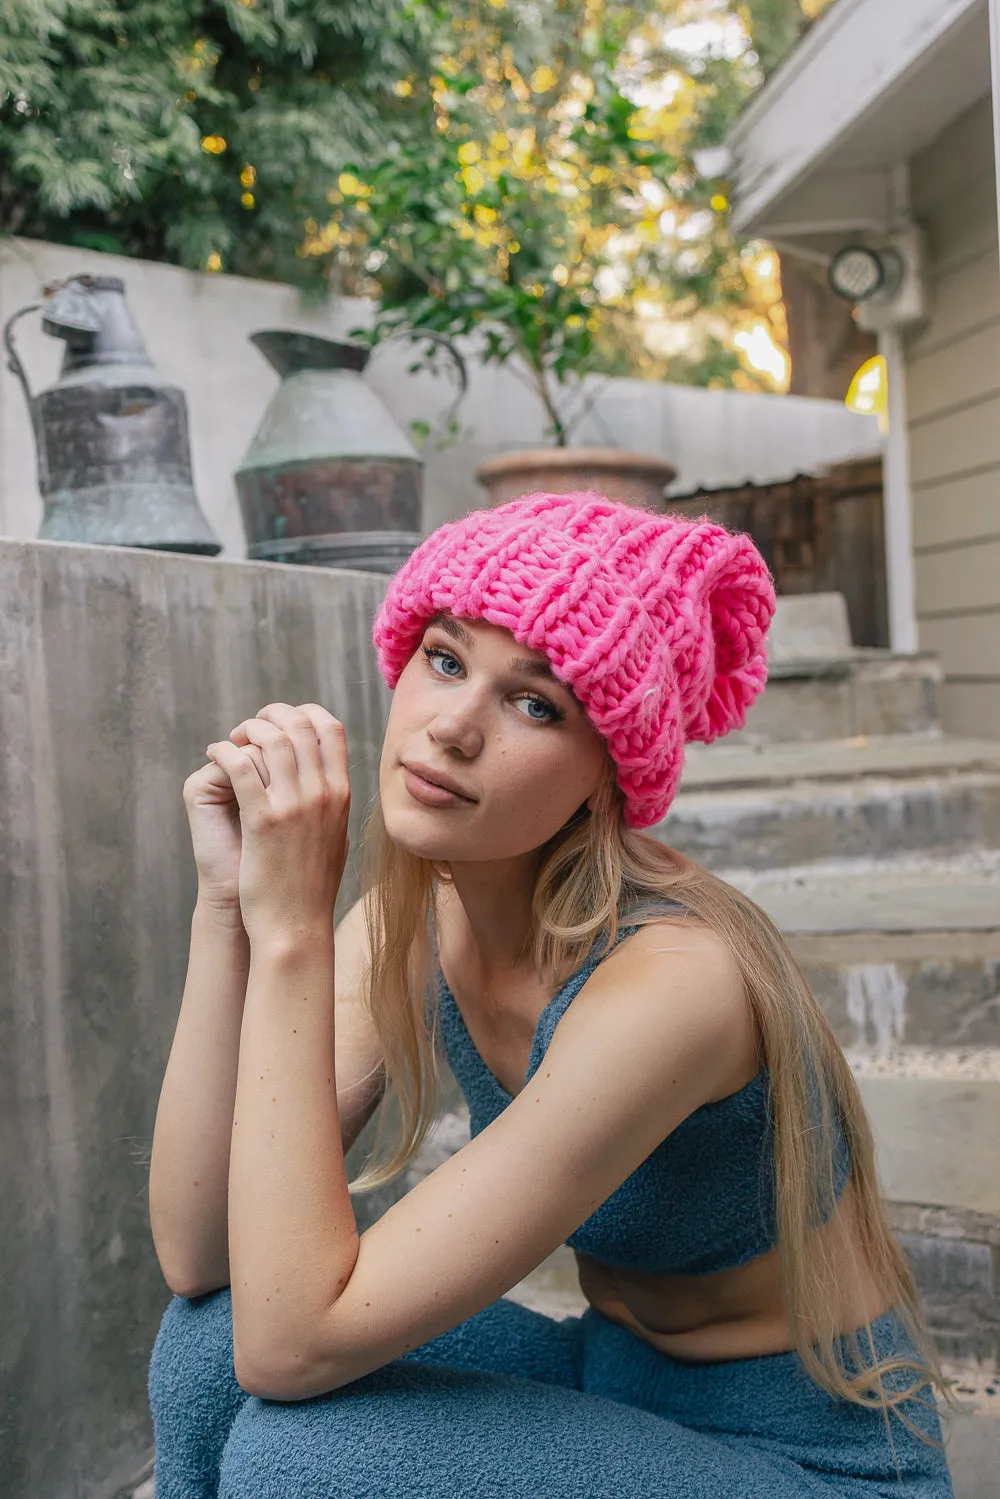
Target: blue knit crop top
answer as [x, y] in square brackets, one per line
[703, 1201]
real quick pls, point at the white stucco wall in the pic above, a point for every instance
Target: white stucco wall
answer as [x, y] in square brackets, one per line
[196, 328]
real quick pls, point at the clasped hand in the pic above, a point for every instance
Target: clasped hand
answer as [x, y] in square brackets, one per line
[293, 816]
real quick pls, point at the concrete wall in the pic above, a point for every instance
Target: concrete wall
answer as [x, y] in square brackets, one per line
[116, 669]
[196, 327]
[953, 387]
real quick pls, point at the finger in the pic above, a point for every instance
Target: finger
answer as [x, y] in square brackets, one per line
[277, 750]
[332, 740]
[242, 772]
[298, 726]
[239, 737]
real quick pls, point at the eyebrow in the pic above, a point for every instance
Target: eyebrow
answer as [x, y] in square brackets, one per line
[526, 664]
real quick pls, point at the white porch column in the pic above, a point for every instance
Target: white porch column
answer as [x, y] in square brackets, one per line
[900, 574]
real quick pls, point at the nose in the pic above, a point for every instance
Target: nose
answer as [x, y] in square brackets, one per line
[459, 726]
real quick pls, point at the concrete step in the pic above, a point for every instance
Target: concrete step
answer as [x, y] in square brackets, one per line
[897, 951]
[786, 804]
[935, 1114]
[837, 697]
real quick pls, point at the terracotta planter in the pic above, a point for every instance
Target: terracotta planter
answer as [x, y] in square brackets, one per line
[636, 477]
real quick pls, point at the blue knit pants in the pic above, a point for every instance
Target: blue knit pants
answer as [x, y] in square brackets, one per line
[514, 1405]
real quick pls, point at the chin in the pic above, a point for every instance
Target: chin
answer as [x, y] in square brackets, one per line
[419, 830]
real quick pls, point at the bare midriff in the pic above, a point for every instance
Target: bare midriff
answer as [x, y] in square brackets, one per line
[730, 1314]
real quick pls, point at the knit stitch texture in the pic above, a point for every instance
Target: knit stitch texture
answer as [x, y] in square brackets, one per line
[656, 623]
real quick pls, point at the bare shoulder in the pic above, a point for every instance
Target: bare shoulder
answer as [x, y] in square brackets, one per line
[676, 978]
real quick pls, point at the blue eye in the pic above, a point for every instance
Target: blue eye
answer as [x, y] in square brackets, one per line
[435, 654]
[538, 702]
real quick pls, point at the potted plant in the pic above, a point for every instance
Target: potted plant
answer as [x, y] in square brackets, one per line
[526, 215]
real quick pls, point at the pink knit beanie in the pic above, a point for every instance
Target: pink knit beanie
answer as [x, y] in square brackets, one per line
[655, 622]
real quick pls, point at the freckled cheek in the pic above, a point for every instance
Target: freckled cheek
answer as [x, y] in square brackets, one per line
[516, 791]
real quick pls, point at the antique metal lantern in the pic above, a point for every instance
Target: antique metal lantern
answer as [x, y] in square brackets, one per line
[111, 435]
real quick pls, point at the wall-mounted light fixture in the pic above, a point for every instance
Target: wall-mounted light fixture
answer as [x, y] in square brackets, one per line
[858, 272]
[885, 281]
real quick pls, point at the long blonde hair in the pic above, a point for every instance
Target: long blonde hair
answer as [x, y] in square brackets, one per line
[595, 870]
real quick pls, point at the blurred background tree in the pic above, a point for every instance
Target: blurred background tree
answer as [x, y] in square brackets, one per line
[558, 200]
[205, 132]
[227, 134]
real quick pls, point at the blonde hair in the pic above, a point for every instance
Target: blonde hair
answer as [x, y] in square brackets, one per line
[592, 873]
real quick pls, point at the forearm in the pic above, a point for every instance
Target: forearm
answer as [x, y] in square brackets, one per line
[189, 1168]
[293, 1238]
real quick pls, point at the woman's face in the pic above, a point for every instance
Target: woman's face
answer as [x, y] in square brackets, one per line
[475, 708]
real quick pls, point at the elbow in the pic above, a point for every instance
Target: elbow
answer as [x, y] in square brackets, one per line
[190, 1290]
[187, 1274]
[287, 1377]
[186, 1281]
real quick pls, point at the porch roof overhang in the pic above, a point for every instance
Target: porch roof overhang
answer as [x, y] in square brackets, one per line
[817, 152]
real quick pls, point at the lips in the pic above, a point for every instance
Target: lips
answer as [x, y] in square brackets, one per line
[437, 778]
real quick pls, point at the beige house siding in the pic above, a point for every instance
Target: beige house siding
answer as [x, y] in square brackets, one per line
[953, 399]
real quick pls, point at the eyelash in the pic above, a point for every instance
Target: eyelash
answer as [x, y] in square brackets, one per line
[433, 652]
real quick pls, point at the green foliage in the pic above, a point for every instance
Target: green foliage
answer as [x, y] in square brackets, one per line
[549, 202]
[520, 171]
[502, 213]
[200, 131]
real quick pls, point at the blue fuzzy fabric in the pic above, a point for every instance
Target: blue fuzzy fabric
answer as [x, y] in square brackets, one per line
[703, 1200]
[514, 1405]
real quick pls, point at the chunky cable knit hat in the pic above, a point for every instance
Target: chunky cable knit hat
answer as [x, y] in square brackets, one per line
[656, 623]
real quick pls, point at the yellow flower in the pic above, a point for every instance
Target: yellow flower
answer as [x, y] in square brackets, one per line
[469, 152]
[214, 262]
[513, 246]
[248, 200]
[543, 79]
[601, 175]
[484, 215]
[213, 144]
[248, 176]
[719, 202]
[474, 180]
[403, 87]
[574, 321]
[560, 275]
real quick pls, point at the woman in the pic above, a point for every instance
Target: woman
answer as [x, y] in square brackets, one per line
[647, 1073]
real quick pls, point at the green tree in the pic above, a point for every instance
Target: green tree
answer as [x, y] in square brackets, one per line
[206, 132]
[524, 207]
[226, 134]
[550, 200]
